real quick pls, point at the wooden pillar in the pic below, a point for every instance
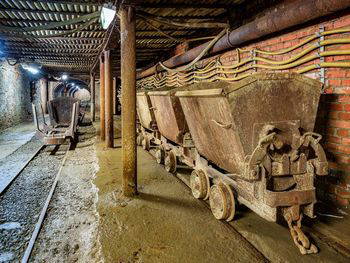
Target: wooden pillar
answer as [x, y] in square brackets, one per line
[92, 93]
[115, 96]
[128, 82]
[102, 99]
[44, 93]
[109, 100]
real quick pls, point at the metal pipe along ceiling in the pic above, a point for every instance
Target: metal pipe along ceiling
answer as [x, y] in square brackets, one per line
[283, 16]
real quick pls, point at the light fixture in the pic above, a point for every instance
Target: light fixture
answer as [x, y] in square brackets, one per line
[32, 68]
[107, 15]
[64, 77]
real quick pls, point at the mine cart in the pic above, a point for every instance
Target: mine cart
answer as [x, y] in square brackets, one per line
[256, 144]
[63, 122]
[148, 134]
[177, 145]
[60, 111]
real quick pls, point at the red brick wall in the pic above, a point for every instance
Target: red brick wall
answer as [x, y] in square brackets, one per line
[334, 111]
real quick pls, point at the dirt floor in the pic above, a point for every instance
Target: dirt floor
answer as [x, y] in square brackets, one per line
[164, 223]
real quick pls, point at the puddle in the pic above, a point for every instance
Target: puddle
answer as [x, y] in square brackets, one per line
[10, 226]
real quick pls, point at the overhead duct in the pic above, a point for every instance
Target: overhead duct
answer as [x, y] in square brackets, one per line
[283, 16]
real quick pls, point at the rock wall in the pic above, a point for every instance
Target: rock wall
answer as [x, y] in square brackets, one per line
[15, 95]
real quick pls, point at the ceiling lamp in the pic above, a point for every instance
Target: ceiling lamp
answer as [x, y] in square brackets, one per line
[64, 77]
[32, 68]
[107, 15]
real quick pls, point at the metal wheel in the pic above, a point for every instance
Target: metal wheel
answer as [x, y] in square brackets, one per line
[170, 162]
[160, 155]
[146, 143]
[222, 202]
[200, 184]
[139, 139]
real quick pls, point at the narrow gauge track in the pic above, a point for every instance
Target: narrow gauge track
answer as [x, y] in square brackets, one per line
[4, 186]
[25, 200]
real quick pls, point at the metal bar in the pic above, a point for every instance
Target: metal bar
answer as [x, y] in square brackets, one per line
[108, 100]
[128, 81]
[102, 99]
[92, 92]
[283, 16]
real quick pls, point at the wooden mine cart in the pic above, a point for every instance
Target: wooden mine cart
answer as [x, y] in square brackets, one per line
[63, 121]
[148, 134]
[256, 144]
[176, 142]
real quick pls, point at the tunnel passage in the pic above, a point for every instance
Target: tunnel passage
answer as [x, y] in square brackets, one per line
[75, 88]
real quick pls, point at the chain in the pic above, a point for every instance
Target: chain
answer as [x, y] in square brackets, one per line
[299, 238]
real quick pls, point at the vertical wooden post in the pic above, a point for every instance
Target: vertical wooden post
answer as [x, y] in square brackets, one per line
[109, 100]
[92, 93]
[128, 81]
[44, 93]
[102, 99]
[114, 95]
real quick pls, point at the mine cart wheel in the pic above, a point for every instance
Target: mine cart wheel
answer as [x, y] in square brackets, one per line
[170, 162]
[222, 202]
[160, 155]
[199, 183]
[139, 139]
[146, 143]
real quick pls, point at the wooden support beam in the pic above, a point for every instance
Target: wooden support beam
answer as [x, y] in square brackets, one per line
[108, 100]
[128, 81]
[114, 95]
[102, 99]
[44, 93]
[92, 93]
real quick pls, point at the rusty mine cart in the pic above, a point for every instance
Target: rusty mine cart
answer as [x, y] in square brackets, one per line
[63, 117]
[253, 143]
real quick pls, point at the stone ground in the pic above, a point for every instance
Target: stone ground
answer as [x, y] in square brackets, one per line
[22, 201]
[89, 221]
[70, 231]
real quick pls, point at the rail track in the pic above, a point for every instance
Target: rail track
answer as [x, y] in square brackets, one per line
[43, 188]
[4, 186]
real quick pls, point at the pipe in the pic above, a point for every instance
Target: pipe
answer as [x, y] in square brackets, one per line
[283, 16]
[108, 100]
[102, 100]
[128, 81]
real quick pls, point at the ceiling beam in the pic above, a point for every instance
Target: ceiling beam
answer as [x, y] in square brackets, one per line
[41, 12]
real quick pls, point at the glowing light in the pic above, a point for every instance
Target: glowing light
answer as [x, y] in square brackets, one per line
[64, 77]
[32, 69]
[107, 15]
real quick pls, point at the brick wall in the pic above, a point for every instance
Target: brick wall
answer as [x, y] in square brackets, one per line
[334, 111]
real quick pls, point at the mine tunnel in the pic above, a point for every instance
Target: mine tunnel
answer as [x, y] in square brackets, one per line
[174, 131]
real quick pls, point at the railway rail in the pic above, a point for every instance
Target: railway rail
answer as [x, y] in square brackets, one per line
[11, 186]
